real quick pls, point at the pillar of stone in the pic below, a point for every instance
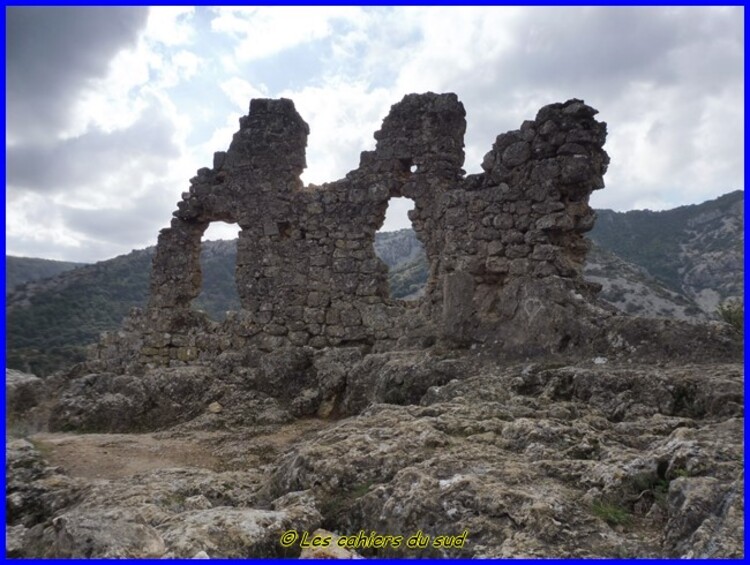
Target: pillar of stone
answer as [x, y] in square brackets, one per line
[264, 163]
[518, 229]
[176, 270]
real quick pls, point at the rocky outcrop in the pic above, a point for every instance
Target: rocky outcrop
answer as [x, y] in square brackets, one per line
[594, 459]
[165, 513]
[23, 391]
[113, 403]
[532, 460]
[28, 401]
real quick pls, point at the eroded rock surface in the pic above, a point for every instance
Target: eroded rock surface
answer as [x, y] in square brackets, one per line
[158, 511]
[538, 459]
[23, 391]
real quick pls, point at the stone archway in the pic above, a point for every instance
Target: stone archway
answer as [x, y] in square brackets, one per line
[306, 271]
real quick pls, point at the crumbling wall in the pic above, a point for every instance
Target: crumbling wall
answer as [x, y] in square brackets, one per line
[505, 247]
[511, 239]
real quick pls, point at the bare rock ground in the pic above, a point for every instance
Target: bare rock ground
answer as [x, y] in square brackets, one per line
[592, 459]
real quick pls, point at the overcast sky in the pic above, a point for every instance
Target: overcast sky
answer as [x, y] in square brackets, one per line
[110, 111]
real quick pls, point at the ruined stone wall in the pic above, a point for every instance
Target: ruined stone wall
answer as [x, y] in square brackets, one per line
[511, 239]
[505, 247]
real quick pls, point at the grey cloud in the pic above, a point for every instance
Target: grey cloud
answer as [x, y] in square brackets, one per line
[600, 49]
[124, 228]
[102, 233]
[51, 54]
[61, 165]
[687, 56]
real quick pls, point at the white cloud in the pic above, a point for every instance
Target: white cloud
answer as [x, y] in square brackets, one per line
[157, 63]
[240, 92]
[220, 230]
[342, 117]
[35, 225]
[454, 41]
[108, 102]
[170, 25]
[263, 32]
[397, 214]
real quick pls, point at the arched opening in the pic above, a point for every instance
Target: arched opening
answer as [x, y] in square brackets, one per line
[218, 262]
[396, 244]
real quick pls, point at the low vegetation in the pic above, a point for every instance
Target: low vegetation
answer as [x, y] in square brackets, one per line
[406, 280]
[732, 312]
[19, 270]
[611, 512]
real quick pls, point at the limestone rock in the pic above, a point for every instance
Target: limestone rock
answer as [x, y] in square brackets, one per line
[518, 457]
[104, 534]
[152, 514]
[22, 391]
[106, 402]
[233, 532]
[528, 459]
[14, 540]
[34, 489]
[397, 378]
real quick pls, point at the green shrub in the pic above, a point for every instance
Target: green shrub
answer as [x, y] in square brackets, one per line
[611, 513]
[733, 313]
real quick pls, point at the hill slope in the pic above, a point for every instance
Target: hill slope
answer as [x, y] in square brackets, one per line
[632, 289]
[19, 270]
[50, 321]
[396, 248]
[694, 250]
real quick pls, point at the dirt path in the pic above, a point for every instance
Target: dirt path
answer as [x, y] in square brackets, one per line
[112, 456]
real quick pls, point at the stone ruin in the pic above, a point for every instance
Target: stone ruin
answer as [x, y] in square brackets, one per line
[505, 247]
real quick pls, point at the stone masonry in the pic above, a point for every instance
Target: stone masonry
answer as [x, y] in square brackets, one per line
[505, 247]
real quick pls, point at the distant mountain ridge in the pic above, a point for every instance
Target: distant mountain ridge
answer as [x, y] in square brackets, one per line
[679, 263]
[19, 270]
[630, 288]
[397, 248]
[695, 250]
